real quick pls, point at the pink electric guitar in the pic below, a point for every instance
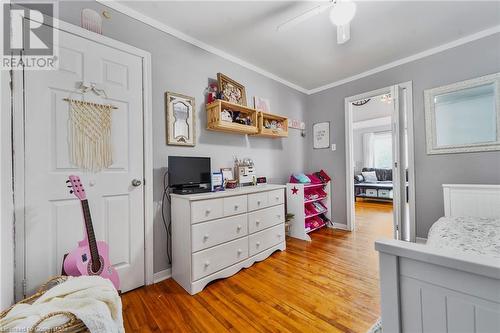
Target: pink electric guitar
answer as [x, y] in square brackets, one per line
[91, 256]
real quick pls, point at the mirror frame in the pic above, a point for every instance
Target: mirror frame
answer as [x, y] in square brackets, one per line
[171, 98]
[430, 116]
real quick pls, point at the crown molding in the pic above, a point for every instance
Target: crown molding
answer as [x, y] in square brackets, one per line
[119, 7]
[420, 55]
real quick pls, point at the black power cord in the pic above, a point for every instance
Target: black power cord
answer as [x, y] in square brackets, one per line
[168, 225]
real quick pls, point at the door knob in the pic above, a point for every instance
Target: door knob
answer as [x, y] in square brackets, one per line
[136, 182]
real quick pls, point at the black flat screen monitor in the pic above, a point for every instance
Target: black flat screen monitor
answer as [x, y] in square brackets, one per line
[188, 171]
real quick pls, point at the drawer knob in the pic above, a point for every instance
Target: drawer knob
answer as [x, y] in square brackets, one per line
[279, 235]
[207, 211]
[277, 198]
[205, 237]
[257, 244]
[235, 207]
[207, 263]
[278, 216]
[238, 228]
[239, 251]
[258, 202]
[257, 222]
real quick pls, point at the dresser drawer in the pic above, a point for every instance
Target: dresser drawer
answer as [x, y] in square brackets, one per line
[235, 205]
[265, 239]
[212, 260]
[265, 218]
[276, 197]
[208, 234]
[257, 201]
[205, 210]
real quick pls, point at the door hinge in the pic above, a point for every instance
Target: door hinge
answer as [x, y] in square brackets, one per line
[25, 284]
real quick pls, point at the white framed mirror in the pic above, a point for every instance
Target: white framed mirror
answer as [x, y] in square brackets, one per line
[463, 116]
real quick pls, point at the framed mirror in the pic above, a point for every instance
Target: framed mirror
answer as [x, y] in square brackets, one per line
[463, 116]
[180, 119]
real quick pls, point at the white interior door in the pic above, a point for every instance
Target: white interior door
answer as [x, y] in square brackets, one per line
[402, 168]
[396, 162]
[53, 218]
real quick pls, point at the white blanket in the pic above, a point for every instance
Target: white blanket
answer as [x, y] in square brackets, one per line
[473, 235]
[92, 299]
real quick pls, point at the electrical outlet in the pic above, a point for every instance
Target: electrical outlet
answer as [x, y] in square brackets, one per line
[334, 147]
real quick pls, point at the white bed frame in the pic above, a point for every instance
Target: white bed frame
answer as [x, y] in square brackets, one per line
[429, 290]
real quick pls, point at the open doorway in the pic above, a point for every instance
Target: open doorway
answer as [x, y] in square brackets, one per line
[379, 162]
[372, 160]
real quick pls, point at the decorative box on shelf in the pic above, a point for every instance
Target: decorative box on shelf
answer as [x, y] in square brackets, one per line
[272, 125]
[219, 118]
[310, 203]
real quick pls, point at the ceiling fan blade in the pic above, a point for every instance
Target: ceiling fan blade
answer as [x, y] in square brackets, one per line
[304, 16]
[343, 33]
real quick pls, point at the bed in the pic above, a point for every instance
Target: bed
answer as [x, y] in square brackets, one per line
[452, 283]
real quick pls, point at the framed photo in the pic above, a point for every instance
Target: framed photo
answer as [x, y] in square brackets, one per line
[231, 90]
[262, 104]
[321, 135]
[180, 115]
[227, 174]
[217, 182]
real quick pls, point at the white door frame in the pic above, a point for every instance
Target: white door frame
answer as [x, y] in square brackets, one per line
[350, 214]
[17, 213]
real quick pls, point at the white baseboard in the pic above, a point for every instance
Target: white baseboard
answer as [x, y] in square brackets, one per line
[162, 275]
[340, 226]
[420, 240]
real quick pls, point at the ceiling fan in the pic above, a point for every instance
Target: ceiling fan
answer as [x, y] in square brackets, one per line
[341, 14]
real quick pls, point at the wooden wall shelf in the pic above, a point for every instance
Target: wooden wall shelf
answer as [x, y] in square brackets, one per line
[215, 122]
[272, 132]
[258, 119]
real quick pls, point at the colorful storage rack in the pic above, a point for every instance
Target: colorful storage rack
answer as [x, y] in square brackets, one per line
[310, 203]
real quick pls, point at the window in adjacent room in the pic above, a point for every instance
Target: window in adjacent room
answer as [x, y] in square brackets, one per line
[382, 150]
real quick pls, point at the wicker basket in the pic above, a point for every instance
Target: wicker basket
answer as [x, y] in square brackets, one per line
[73, 325]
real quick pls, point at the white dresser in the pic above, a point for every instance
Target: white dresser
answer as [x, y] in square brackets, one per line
[214, 235]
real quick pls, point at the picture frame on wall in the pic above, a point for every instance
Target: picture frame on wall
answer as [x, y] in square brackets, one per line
[262, 104]
[321, 135]
[231, 90]
[180, 117]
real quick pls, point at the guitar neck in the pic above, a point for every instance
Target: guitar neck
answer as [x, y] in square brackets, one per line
[94, 253]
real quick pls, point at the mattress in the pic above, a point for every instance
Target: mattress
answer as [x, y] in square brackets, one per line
[467, 234]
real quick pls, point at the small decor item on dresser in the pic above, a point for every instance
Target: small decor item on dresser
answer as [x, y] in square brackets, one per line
[261, 180]
[227, 174]
[245, 171]
[217, 182]
[180, 115]
[231, 90]
[262, 104]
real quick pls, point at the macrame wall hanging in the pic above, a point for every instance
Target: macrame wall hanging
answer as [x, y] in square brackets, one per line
[90, 134]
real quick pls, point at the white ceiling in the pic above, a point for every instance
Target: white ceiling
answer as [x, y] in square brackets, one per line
[375, 108]
[308, 55]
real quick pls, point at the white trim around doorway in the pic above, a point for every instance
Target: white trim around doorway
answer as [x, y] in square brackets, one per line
[16, 213]
[350, 214]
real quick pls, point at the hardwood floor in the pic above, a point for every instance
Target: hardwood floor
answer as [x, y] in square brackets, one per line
[327, 285]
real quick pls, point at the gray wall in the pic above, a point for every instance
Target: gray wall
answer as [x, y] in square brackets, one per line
[471, 60]
[183, 68]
